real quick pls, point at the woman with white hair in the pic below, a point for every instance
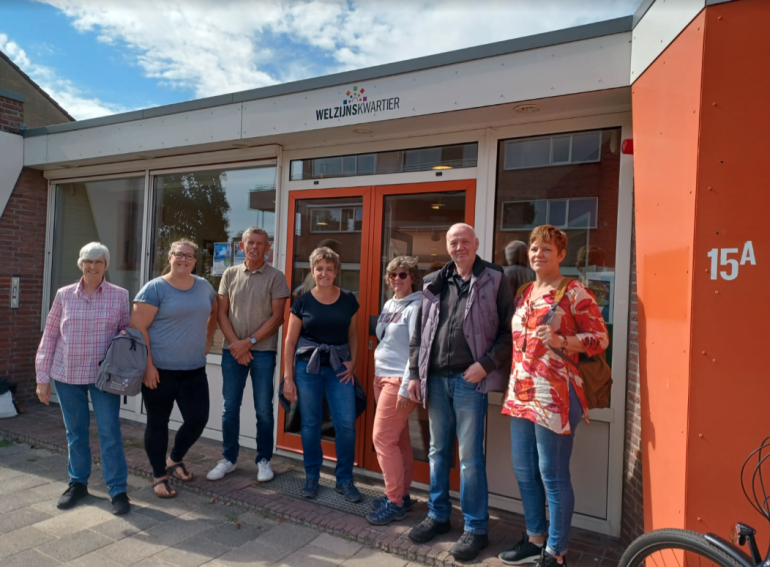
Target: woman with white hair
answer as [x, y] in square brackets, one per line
[83, 320]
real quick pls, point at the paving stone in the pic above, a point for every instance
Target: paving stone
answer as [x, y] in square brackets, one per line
[151, 562]
[82, 517]
[254, 554]
[52, 489]
[7, 472]
[336, 545]
[178, 529]
[231, 536]
[74, 545]
[371, 558]
[13, 449]
[30, 558]
[20, 483]
[92, 559]
[21, 518]
[310, 557]
[132, 549]
[288, 537]
[193, 552]
[21, 540]
[124, 526]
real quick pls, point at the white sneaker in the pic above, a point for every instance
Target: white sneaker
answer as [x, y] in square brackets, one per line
[223, 467]
[265, 472]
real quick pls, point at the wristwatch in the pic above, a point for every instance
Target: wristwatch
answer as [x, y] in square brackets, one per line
[564, 343]
[253, 340]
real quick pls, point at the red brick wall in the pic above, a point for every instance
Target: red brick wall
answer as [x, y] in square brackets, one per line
[11, 115]
[22, 249]
[632, 524]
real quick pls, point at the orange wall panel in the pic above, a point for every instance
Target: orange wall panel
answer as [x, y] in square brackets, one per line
[666, 105]
[730, 383]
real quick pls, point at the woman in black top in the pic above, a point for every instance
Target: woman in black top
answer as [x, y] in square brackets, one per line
[320, 358]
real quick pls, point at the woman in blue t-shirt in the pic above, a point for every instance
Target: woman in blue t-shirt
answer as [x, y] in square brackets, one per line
[320, 359]
[176, 313]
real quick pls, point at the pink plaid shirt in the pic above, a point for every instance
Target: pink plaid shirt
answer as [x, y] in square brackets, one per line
[78, 332]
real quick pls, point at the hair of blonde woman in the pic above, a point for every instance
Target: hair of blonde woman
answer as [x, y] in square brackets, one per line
[94, 251]
[550, 234]
[254, 230]
[183, 242]
[410, 264]
[325, 253]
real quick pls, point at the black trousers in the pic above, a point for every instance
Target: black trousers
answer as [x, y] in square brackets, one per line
[190, 390]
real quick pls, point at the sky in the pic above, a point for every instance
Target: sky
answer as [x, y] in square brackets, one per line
[101, 57]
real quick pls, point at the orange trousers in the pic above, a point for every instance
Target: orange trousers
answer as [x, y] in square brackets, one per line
[391, 439]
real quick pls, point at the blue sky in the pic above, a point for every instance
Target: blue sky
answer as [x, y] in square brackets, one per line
[98, 57]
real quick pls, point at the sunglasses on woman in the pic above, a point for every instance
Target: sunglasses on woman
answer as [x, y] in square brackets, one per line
[399, 275]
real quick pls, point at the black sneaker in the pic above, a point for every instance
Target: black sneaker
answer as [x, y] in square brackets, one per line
[75, 491]
[468, 546]
[120, 504]
[349, 491]
[310, 490]
[523, 552]
[548, 560]
[428, 529]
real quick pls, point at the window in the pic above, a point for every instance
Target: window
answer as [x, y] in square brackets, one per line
[339, 219]
[212, 208]
[561, 213]
[530, 192]
[400, 161]
[584, 147]
[108, 211]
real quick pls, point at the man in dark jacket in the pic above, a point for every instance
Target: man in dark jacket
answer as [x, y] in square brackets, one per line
[460, 351]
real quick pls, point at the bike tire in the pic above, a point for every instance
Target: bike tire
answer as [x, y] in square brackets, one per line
[655, 544]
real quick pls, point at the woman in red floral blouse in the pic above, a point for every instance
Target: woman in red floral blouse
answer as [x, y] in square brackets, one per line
[545, 398]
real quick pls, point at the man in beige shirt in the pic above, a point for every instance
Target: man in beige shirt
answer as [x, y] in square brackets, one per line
[252, 297]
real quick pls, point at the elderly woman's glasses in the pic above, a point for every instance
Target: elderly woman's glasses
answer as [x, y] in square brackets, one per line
[180, 255]
[399, 275]
[93, 262]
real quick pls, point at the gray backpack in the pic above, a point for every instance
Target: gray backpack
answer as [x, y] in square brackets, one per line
[123, 367]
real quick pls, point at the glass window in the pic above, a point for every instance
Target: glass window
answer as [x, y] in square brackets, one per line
[527, 153]
[568, 198]
[399, 161]
[108, 211]
[212, 208]
[561, 148]
[583, 147]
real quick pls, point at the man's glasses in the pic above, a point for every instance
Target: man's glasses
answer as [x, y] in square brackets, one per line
[399, 275]
[180, 255]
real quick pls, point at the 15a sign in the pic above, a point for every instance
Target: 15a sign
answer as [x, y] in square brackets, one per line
[728, 258]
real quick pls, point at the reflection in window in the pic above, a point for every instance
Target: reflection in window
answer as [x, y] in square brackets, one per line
[529, 195]
[400, 161]
[109, 212]
[212, 208]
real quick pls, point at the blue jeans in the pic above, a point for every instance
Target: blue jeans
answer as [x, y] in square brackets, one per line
[539, 453]
[234, 377]
[456, 408]
[341, 398]
[77, 419]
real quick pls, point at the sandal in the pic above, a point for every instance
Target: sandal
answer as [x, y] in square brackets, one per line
[173, 470]
[171, 492]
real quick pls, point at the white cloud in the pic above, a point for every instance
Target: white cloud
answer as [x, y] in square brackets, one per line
[62, 90]
[231, 45]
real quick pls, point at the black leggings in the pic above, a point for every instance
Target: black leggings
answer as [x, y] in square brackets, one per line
[190, 390]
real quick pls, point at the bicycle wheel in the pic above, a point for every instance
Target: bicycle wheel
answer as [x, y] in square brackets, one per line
[674, 548]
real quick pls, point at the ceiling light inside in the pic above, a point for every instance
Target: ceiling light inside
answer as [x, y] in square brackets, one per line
[439, 167]
[363, 131]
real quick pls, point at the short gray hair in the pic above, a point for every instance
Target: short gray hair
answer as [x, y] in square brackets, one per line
[94, 251]
[255, 230]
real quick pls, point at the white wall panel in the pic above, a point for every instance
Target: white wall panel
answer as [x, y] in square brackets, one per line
[35, 149]
[11, 164]
[175, 130]
[583, 66]
[662, 23]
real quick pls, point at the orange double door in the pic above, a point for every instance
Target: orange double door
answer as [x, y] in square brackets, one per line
[368, 227]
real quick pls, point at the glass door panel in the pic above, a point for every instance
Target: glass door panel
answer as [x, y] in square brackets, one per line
[338, 219]
[413, 220]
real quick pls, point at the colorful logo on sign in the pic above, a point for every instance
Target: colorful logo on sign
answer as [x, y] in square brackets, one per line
[355, 95]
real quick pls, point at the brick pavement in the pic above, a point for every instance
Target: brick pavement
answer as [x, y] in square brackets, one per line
[43, 427]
